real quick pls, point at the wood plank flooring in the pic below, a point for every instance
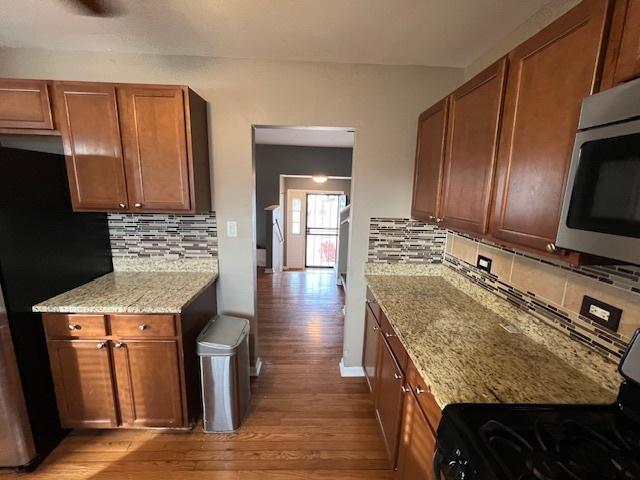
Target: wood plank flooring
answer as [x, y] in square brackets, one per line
[306, 422]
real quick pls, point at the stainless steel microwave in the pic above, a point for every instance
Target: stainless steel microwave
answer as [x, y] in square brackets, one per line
[601, 208]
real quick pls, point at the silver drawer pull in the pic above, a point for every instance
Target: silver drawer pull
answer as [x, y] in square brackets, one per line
[119, 344]
[73, 326]
[420, 391]
[142, 327]
[397, 376]
[101, 345]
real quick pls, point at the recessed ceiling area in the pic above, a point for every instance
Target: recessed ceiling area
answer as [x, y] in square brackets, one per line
[304, 136]
[449, 33]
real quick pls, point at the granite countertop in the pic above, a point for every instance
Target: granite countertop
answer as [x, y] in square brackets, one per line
[131, 292]
[453, 331]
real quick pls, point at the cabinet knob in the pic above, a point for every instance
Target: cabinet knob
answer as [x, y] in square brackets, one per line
[73, 326]
[122, 205]
[551, 247]
[420, 391]
[119, 344]
[376, 328]
[439, 220]
[431, 217]
[388, 335]
[100, 345]
[397, 376]
[137, 205]
[404, 389]
[142, 327]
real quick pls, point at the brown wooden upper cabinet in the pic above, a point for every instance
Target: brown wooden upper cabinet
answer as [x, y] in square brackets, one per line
[622, 62]
[91, 139]
[429, 161]
[548, 77]
[25, 104]
[135, 148]
[471, 146]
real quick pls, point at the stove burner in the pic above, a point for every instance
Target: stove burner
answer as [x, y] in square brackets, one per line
[566, 450]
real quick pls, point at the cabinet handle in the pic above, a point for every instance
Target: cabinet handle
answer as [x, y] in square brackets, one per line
[73, 326]
[388, 335]
[142, 327]
[122, 205]
[420, 391]
[551, 247]
[119, 344]
[137, 205]
[101, 345]
[397, 376]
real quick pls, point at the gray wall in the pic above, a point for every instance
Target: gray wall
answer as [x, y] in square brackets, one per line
[275, 160]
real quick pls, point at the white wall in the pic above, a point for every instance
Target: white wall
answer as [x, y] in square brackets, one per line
[539, 20]
[381, 103]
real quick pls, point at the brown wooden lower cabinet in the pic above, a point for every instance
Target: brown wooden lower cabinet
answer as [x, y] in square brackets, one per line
[406, 410]
[370, 350]
[133, 370]
[83, 383]
[417, 442]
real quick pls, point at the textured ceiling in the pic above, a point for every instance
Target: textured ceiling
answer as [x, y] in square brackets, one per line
[391, 32]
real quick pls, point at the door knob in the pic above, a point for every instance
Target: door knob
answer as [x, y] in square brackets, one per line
[100, 345]
[551, 247]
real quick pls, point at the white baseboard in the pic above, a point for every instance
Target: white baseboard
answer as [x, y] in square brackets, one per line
[255, 371]
[350, 371]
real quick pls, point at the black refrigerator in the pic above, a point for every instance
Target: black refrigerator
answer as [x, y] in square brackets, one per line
[45, 249]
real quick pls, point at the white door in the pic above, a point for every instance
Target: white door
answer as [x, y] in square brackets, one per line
[296, 208]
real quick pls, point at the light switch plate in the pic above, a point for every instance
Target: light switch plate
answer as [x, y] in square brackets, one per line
[232, 229]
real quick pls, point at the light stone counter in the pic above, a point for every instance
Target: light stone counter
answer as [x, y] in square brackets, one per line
[453, 332]
[132, 292]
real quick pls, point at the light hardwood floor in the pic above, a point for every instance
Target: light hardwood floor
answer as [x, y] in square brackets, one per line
[306, 422]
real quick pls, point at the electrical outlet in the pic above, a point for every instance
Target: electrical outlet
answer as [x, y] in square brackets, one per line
[484, 263]
[602, 313]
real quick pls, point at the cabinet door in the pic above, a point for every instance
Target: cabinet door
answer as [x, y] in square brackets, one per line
[549, 75]
[622, 62]
[155, 147]
[427, 174]
[370, 351]
[388, 398]
[91, 137]
[417, 443]
[83, 382]
[149, 383]
[25, 104]
[472, 138]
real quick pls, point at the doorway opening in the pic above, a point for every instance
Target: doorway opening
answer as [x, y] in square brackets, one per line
[303, 192]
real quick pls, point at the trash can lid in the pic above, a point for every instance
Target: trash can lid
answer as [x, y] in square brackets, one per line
[223, 334]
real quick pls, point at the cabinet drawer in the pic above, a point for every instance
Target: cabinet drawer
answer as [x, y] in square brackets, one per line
[423, 394]
[143, 325]
[74, 325]
[373, 305]
[394, 342]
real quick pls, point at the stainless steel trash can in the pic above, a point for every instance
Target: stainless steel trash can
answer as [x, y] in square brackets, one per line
[223, 348]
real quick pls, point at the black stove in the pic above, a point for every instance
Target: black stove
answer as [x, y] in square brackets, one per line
[544, 442]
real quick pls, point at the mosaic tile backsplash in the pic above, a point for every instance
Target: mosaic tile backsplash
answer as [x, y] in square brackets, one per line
[402, 240]
[554, 292]
[163, 235]
[551, 291]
